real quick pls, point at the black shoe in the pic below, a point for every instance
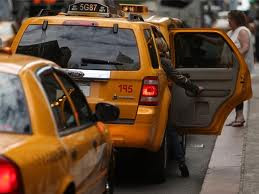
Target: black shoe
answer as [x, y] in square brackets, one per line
[184, 170]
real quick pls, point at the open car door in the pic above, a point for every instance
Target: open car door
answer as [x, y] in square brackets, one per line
[211, 60]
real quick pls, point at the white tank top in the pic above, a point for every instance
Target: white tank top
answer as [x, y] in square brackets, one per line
[249, 56]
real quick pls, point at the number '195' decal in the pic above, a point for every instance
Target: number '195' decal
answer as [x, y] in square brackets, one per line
[126, 88]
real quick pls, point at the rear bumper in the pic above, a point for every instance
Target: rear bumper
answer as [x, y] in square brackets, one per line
[140, 134]
[134, 136]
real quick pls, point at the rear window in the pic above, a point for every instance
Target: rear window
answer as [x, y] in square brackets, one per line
[14, 115]
[82, 47]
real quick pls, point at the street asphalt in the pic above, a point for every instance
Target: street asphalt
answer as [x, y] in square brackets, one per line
[134, 179]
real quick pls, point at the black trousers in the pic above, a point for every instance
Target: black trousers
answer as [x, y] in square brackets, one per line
[174, 144]
[240, 107]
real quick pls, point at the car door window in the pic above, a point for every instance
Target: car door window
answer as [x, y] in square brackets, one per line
[83, 111]
[151, 48]
[59, 102]
[202, 50]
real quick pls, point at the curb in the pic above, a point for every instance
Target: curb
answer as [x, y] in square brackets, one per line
[223, 174]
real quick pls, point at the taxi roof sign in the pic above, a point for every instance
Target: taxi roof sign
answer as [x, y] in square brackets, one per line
[134, 8]
[88, 9]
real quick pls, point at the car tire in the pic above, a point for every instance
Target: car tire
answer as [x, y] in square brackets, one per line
[70, 189]
[159, 163]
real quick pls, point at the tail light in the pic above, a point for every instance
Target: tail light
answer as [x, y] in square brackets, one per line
[10, 179]
[150, 91]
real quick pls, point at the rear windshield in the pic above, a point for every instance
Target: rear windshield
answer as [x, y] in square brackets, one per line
[82, 47]
[13, 108]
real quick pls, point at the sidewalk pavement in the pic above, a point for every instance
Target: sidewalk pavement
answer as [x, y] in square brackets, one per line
[234, 164]
[249, 183]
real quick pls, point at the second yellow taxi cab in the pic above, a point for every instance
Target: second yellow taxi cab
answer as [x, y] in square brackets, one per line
[50, 141]
[165, 24]
[115, 59]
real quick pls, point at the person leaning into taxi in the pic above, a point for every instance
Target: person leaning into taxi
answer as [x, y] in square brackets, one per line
[242, 37]
[187, 84]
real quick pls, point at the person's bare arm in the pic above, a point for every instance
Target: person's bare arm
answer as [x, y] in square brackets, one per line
[244, 40]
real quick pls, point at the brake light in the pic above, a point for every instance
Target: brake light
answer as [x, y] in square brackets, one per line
[10, 182]
[150, 91]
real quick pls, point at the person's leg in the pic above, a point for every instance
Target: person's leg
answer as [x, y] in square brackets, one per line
[177, 150]
[175, 145]
[240, 107]
[240, 119]
[239, 112]
[239, 116]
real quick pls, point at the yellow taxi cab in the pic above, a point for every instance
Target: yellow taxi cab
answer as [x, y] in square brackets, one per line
[50, 141]
[115, 59]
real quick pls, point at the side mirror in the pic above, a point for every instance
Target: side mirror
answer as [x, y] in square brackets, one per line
[106, 112]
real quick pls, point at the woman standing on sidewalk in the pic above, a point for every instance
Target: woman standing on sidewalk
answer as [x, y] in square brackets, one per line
[241, 36]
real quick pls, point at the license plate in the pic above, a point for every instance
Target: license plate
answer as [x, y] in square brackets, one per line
[85, 88]
[88, 7]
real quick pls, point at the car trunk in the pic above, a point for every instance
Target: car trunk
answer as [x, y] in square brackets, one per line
[117, 88]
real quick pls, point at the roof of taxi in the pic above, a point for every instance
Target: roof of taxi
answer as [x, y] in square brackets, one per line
[157, 19]
[13, 63]
[163, 20]
[62, 17]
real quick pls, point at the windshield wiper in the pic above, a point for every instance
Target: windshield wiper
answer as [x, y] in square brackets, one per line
[99, 61]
